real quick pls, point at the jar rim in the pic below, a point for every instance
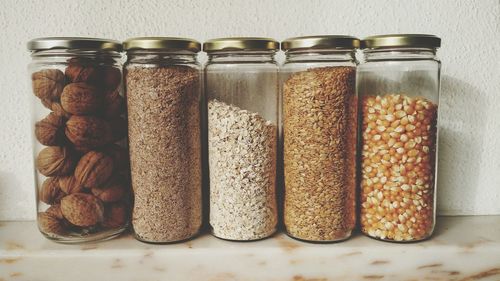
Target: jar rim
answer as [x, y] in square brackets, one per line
[316, 42]
[240, 44]
[162, 44]
[401, 41]
[48, 43]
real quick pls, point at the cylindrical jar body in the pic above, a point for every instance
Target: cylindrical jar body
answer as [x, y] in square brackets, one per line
[398, 88]
[162, 82]
[319, 132]
[80, 146]
[242, 96]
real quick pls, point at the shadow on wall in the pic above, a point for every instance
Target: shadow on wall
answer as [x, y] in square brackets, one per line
[462, 121]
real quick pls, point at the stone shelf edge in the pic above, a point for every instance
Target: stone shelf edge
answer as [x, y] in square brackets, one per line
[462, 248]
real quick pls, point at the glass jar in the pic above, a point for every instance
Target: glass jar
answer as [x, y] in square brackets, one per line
[163, 90]
[319, 131]
[399, 90]
[79, 143]
[241, 79]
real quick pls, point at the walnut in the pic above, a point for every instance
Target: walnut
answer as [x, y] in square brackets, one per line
[82, 209]
[59, 110]
[55, 211]
[81, 71]
[50, 130]
[50, 192]
[119, 128]
[120, 156]
[81, 99]
[50, 225]
[55, 161]
[115, 215]
[88, 131]
[48, 84]
[94, 169]
[114, 104]
[112, 77]
[112, 191]
[70, 185]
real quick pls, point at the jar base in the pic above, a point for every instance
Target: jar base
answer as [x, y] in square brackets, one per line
[396, 241]
[96, 237]
[347, 235]
[265, 236]
[194, 236]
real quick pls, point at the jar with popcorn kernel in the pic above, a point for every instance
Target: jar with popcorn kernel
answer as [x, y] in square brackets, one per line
[398, 87]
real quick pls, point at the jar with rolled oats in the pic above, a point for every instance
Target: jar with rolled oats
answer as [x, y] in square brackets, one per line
[398, 87]
[241, 84]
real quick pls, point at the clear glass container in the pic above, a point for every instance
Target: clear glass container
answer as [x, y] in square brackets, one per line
[241, 84]
[79, 143]
[163, 91]
[319, 132]
[399, 90]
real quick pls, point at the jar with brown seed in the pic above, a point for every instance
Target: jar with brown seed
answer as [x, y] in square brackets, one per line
[319, 132]
[399, 90]
[163, 89]
[241, 79]
[80, 145]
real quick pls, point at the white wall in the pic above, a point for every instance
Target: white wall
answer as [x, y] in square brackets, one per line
[469, 162]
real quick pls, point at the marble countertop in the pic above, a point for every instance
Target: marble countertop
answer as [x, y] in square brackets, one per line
[462, 249]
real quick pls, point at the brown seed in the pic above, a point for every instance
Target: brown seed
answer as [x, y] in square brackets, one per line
[51, 193]
[118, 128]
[55, 211]
[88, 131]
[115, 215]
[50, 225]
[82, 209]
[120, 156]
[81, 99]
[112, 77]
[70, 185]
[114, 104]
[112, 191]
[94, 169]
[48, 83]
[55, 161]
[78, 71]
[59, 110]
[50, 130]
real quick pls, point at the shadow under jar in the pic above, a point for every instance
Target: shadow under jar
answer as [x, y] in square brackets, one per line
[399, 90]
[319, 132]
[163, 90]
[242, 91]
[81, 159]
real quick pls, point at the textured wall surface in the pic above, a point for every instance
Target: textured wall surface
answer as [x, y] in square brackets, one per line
[469, 160]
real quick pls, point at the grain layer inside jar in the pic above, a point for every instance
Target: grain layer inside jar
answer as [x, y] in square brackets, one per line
[398, 166]
[242, 161]
[320, 115]
[165, 151]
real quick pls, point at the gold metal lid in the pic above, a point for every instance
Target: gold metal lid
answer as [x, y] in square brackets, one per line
[401, 41]
[241, 44]
[320, 42]
[48, 43]
[162, 43]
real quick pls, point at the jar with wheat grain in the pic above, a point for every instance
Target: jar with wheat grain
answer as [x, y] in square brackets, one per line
[319, 133]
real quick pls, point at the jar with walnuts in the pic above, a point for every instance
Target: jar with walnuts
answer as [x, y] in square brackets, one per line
[398, 87]
[82, 174]
[319, 137]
